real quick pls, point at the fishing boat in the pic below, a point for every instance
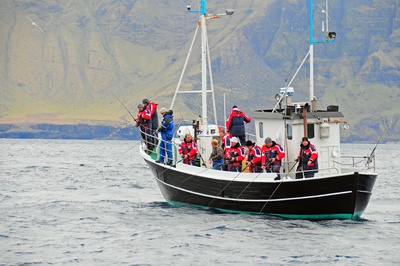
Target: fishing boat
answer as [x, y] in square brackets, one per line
[337, 191]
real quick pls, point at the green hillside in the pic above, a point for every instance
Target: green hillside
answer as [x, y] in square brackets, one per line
[63, 60]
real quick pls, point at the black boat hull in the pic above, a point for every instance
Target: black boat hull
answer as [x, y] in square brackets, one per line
[335, 197]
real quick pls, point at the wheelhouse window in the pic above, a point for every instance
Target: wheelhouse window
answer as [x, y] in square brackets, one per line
[289, 131]
[261, 129]
[310, 131]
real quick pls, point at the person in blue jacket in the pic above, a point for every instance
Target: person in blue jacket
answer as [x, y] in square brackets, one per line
[166, 129]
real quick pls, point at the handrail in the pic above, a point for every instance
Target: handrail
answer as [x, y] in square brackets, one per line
[353, 163]
[368, 161]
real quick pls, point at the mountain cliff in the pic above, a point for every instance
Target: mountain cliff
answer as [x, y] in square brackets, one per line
[72, 62]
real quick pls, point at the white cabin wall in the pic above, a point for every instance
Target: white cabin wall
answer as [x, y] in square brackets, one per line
[328, 148]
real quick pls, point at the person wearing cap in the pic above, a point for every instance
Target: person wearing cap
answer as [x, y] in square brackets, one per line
[272, 155]
[152, 108]
[143, 122]
[253, 157]
[307, 159]
[235, 124]
[217, 155]
[234, 156]
[188, 150]
[167, 131]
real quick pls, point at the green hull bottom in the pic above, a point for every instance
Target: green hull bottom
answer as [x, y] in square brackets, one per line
[336, 216]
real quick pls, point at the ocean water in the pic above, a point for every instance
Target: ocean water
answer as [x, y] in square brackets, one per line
[75, 202]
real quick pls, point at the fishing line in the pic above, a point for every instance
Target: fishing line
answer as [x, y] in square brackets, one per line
[273, 193]
[248, 185]
[117, 130]
[208, 205]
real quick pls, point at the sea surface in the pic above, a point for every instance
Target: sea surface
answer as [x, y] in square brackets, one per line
[80, 202]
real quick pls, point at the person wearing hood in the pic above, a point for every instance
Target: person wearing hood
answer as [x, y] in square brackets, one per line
[234, 155]
[235, 124]
[166, 129]
[272, 155]
[307, 159]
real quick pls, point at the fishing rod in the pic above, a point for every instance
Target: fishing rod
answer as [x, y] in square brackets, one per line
[293, 166]
[201, 157]
[369, 160]
[122, 104]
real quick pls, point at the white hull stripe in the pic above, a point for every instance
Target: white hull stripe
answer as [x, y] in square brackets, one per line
[263, 200]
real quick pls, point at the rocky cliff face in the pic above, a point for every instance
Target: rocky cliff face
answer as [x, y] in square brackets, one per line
[64, 60]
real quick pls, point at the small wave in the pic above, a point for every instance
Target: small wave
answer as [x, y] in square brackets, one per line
[89, 218]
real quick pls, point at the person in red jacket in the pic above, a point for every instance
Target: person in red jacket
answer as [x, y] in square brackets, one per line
[234, 155]
[188, 150]
[143, 122]
[272, 155]
[151, 107]
[308, 159]
[225, 140]
[253, 157]
[235, 124]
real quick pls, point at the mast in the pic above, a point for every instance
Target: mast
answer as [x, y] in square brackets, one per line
[204, 66]
[327, 37]
[205, 62]
[312, 96]
[204, 138]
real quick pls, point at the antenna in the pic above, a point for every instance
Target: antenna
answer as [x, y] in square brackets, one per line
[206, 72]
[327, 37]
